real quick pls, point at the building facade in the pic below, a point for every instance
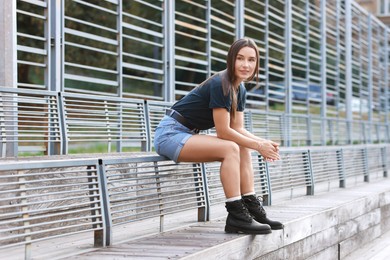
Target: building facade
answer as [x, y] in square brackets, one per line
[379, 8]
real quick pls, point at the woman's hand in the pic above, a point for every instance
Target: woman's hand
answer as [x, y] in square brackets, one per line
[269, 150]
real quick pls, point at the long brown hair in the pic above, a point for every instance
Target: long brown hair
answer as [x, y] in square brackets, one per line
[228, 76]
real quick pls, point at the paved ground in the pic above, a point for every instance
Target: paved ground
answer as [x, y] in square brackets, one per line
[378, 249]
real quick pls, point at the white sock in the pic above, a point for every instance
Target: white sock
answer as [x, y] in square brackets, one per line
[233, 199]
[249, 193]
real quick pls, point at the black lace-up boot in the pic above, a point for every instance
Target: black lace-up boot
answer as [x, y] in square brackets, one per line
[240, 221]
[255, 208]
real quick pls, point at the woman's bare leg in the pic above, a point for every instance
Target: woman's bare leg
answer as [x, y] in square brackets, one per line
[246, 170]
[202, 148]
[205, 148]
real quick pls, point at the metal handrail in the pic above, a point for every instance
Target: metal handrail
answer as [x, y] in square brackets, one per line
[70, 119]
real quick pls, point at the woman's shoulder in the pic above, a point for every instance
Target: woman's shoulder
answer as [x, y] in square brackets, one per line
[214, 79]
[210, 84]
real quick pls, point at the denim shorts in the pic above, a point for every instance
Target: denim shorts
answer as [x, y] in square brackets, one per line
[170, 137]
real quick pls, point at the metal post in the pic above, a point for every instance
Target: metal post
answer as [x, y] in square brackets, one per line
[323, 72]
[387, 81]
[288, 70]
[53, 71]
[348, 63]
[93, 178]
[54, 25]
[266, 58]
[63, 126]
[169, 51]
[366, 166]
[119, 61]
[267, 174]
[265, 188]
[310, 178]
[200, 192]
[105, 198]
[309, 135]
[208, 41]
[340, 166]
[206, 192]
[384, 161]
[239, 14]
[370, 75]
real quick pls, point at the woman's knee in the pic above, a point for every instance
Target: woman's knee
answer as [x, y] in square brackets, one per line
[231, 149]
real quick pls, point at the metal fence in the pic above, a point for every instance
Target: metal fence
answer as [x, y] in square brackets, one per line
[50, 123]
[47, 199]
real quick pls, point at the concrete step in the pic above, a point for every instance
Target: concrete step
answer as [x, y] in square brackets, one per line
[377, 249]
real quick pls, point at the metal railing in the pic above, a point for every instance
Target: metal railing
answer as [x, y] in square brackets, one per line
[30, 122]
[42, 200]
[113, 121]
[51, 123]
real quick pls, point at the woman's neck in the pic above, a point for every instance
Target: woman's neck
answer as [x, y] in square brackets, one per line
[236, 85]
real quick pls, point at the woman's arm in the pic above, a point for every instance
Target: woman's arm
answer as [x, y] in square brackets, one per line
[238, 125]
[233, 130]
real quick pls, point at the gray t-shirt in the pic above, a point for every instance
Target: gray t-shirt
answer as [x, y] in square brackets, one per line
[197, 105]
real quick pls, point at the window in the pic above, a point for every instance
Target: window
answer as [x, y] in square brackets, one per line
[384, 7]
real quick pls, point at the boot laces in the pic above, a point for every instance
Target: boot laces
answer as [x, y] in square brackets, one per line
[246, 213]
[259, 204]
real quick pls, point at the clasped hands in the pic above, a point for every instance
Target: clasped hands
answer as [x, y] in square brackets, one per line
[269, 150]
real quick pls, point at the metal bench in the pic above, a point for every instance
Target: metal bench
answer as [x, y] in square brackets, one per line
[43, 200]
[49, 199]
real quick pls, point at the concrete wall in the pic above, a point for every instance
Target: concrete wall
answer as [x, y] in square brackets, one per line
[8, 76]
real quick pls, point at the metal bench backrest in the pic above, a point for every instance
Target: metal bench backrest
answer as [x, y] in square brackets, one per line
[150, 187]
[215, 189]
[327, 168]
[49, 199]
[292, 175]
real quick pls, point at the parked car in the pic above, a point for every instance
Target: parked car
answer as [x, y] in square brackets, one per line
[300, 92]
[275, 93]
[357, 105]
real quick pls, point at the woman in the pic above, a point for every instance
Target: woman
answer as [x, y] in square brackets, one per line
[219, 101]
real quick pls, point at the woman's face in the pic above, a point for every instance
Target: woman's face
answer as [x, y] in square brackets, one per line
[245, 63]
